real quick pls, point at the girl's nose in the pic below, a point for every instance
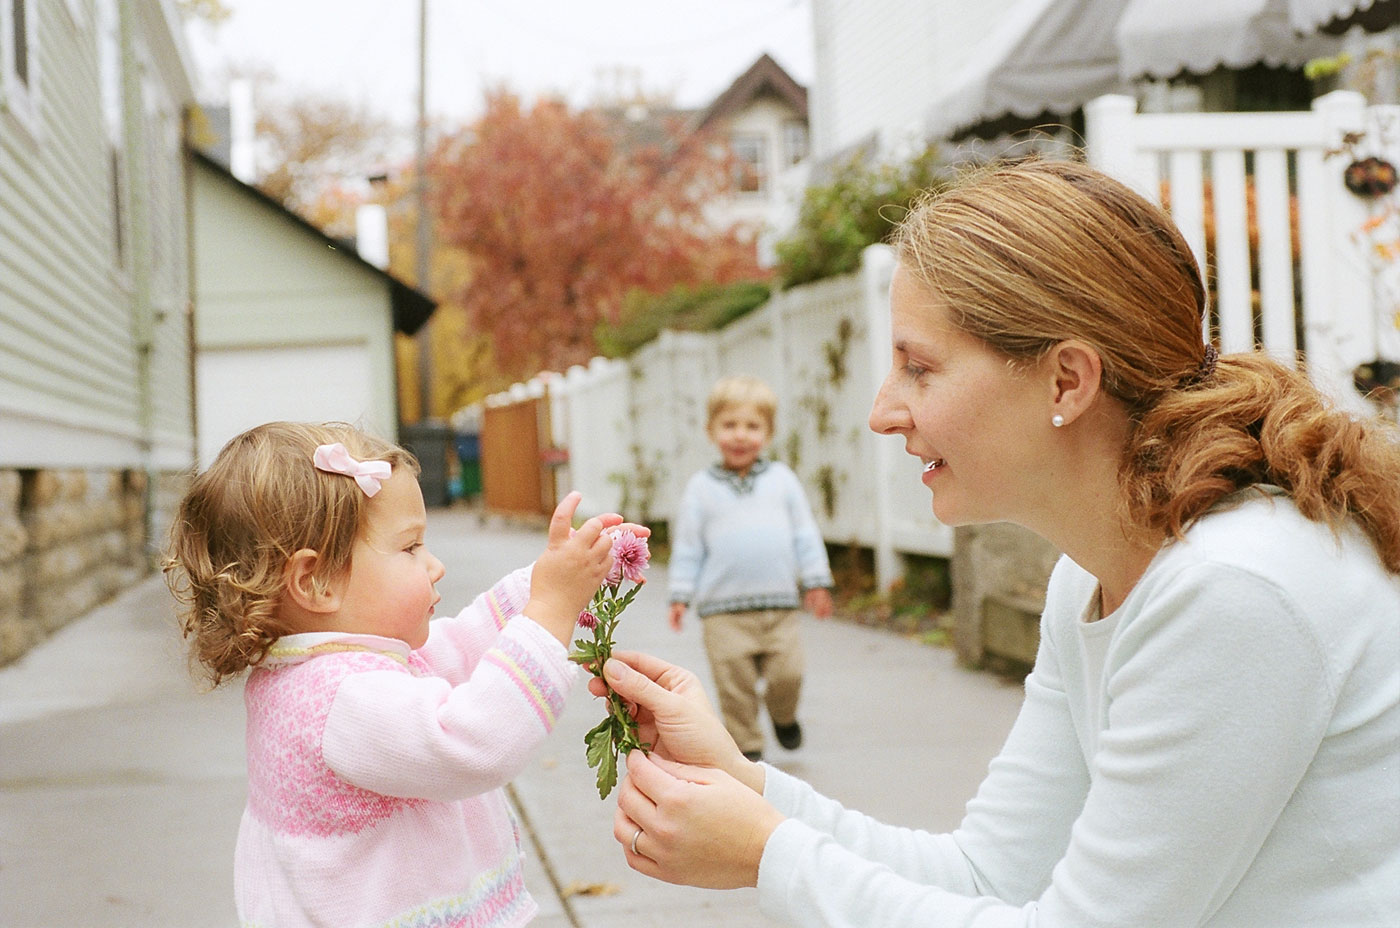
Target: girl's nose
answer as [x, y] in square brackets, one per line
[436, 570]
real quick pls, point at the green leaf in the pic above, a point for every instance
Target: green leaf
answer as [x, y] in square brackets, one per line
[599, 742]
[607, 774]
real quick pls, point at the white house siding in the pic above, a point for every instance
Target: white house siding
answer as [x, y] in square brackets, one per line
[96, 423]
[880, 62]
[281, 306]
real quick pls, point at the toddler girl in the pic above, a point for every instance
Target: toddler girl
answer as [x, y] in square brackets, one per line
[378, 745]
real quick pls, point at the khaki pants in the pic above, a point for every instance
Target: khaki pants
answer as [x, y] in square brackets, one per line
[745, 647]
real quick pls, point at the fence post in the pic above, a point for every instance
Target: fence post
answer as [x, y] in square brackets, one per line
[1340, 318]
[876, 268]
[1108, 130]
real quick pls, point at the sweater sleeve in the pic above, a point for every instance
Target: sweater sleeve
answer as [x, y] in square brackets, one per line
[1163, 813]
[456, 643]
[808, 547]
[687, 545]
[424, 738]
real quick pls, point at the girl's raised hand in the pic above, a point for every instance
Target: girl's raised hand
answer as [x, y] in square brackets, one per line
[572, 568]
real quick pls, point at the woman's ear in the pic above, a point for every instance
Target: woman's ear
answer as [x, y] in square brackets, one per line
[1077, 372]
[305, 589]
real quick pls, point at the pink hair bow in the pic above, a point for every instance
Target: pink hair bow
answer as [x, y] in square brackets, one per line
[334, 459]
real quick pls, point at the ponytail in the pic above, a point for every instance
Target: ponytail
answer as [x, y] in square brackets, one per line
[1256, 421]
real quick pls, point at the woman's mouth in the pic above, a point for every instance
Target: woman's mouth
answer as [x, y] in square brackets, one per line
[931, 465]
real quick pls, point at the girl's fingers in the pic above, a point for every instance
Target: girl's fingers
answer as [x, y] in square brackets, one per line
[561, 523]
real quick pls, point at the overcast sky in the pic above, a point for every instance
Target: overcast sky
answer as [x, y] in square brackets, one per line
[366, 50]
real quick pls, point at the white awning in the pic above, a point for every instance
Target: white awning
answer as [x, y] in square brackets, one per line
[1311, 15]
[1046, 55]
[1162, 38]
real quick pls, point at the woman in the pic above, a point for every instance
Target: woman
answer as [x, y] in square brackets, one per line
[1211, 732]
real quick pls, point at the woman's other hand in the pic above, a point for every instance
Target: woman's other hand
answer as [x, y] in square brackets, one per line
[674, 715]
[696, 826]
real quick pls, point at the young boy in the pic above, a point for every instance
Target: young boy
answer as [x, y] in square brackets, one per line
[745, 554]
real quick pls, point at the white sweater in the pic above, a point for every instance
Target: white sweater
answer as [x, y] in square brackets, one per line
[1222, 750]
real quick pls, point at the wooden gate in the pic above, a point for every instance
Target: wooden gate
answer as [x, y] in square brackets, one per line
[513, 474]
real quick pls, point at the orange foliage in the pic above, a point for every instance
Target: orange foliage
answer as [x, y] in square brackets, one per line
[561, 222]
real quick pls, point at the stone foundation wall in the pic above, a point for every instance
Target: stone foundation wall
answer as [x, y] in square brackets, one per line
[69, 539]
[999, 576]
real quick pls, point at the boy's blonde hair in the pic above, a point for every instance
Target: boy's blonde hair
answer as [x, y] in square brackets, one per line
[742, 390]
[261, 501]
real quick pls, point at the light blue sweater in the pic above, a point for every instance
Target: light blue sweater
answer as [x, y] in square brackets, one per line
[745, 543]
[1222, 750]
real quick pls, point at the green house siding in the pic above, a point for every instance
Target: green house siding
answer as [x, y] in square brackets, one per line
[76, 327]
[265, 281]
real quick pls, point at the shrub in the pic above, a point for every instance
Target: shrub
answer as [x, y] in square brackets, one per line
[701, 308]
[856, 208]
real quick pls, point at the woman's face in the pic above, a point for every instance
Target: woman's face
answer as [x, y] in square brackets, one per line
[963, 409]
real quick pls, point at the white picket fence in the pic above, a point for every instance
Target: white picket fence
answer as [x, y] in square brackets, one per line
[634, 429]
[1350, 292]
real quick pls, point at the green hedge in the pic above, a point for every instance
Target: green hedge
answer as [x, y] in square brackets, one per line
[702, 308]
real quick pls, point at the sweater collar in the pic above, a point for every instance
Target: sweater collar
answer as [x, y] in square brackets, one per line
[742, 483]
[294, 649]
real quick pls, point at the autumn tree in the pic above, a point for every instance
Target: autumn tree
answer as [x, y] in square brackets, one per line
[314, 142]
[562, 219]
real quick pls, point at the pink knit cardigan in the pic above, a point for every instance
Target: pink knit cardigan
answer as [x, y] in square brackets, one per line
[375, 773]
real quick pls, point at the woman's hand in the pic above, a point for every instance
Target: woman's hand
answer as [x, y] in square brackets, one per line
[691, 825]
[674, 715]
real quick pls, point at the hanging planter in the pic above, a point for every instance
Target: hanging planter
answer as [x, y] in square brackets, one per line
[1370, 177]
[1378, 380]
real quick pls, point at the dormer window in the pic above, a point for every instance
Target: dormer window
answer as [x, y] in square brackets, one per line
[751, 163]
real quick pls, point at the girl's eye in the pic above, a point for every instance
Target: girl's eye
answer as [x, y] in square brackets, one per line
[413, 548]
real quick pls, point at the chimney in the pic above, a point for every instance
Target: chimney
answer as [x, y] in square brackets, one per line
[242, 130]
[372, 234]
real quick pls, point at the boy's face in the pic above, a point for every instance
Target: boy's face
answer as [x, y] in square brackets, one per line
[740, 432]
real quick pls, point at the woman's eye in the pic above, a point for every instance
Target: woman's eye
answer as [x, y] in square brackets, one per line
[914, 371]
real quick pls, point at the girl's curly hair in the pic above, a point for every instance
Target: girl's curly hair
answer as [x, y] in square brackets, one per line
[261, 501]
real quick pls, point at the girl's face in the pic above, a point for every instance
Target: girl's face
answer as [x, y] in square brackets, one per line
[390, 591]
[963, 409]
[740, 432]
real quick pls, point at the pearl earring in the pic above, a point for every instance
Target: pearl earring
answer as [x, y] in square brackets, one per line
[1057, 420]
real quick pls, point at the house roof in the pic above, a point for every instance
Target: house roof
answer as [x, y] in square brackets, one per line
[411, 307]
[765, 77]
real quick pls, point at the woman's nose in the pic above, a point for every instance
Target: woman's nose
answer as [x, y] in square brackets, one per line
[885, 415]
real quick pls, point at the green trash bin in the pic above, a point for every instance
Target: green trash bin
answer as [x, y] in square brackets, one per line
[430, 442]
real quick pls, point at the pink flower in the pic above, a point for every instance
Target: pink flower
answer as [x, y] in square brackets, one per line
[587, 620]
[630, 557]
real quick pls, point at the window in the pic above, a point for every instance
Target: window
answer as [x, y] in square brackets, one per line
[751, 162]
[795, 144]
[19, 77]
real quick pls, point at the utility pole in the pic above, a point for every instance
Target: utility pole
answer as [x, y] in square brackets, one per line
[423, 245]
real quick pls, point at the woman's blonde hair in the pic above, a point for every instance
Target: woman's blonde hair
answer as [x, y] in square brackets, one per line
[261, 501]
[742, 390]
[1031, 253]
